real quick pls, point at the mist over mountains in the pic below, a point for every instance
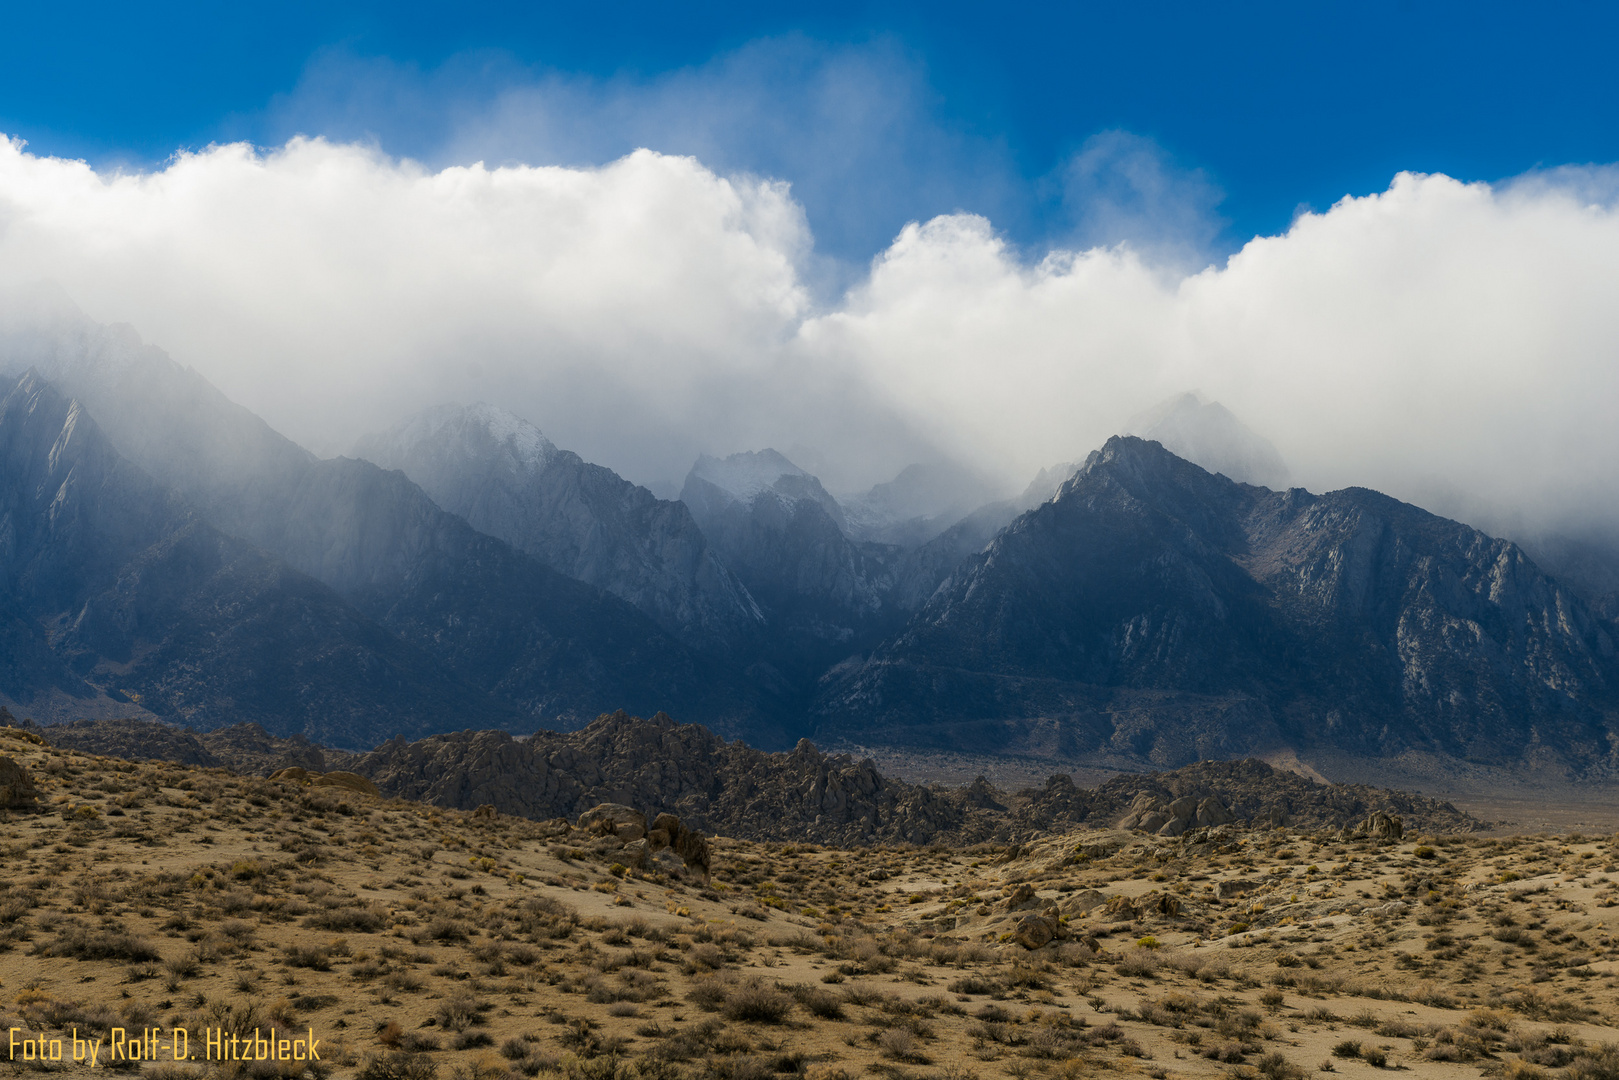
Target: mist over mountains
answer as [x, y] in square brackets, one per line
[166, 553]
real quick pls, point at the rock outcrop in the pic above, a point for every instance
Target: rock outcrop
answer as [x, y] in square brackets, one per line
[1151, 813]
[614, 819]
[1381, 826]
[17, 790]
[641, 844]
[1215, 793]
[337, 779]
[656, 765]
[677, 782]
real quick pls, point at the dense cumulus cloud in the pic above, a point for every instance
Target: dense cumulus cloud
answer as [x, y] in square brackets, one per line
[1456, 344]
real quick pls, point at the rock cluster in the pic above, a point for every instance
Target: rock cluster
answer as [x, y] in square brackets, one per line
[17, 791]
[1150, 813]
[667, 833]
[1381, 826]
[337, 779]
[655, 765]
[712, 786]
[1249, 792]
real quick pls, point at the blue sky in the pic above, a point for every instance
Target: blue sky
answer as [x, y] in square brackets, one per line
[1194, 125]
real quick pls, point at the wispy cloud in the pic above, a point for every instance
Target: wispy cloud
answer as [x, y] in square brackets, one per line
[857, 128]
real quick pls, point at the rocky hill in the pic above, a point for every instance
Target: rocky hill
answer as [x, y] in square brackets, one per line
[732, 789]
[1156, 613]
[245, 749]
[1249, 791]
[736, 790]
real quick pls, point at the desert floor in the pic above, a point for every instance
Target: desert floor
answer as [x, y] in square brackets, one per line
[414, 942]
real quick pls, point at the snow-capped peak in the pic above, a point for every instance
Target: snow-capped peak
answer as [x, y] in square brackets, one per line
[745, 475]
[466, 432]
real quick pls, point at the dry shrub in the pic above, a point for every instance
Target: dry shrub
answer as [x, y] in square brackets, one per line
[901, 1045]
[82, 943]
[753, 1001]
[822, 1004]
[399, 1065]
[355, 919]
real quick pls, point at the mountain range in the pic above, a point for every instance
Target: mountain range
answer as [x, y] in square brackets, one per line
[165, 553]
[1156, 611]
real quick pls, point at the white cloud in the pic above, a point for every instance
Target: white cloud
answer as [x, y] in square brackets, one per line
[1452, 343]
[1446, 342]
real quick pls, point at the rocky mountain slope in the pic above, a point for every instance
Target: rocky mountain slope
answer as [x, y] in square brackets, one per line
[508, 480]
[822, 593]
[115, 596]
[554, 651]
[1160, 613]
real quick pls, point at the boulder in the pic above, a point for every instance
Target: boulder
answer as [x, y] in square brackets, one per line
[614, 819]
[669, 833]
[1159, 903]
[1212, 811]
[1174, 826]
[1034, 931]
[692, 847]
[1381, 826]
[1184, 807]
[294, 774]
[1078, 903]
[17, 791]
[635, 853]
[1154, 820]
[1020, 898]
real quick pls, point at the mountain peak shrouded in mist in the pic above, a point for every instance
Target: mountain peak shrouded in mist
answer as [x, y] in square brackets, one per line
[117, 599]
[744, 477]
[918, 504]
[1209, 434]
[502, 475]
[451, 435]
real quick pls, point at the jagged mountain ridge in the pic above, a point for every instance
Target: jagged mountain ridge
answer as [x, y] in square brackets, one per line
[823, 594]
[508, 480]
[1161, 613]
[116, 596]
[558, 650]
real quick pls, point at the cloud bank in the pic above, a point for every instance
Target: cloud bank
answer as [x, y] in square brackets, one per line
[1455, 344]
